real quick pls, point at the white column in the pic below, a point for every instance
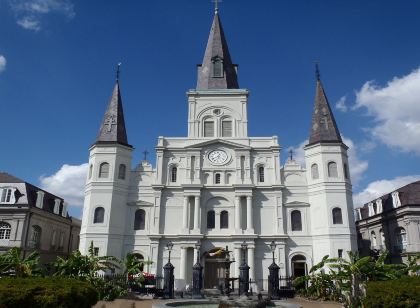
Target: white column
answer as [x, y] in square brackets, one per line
[238, 260]
[251, 262]
[185, 214]
[249, 216]
[237, 213]
[197, 213]
[183, 264]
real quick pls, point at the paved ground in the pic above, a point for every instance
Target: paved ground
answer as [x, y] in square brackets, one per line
[147, 303]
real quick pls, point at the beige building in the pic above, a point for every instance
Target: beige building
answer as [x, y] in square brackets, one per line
[391, 222]
[34, 219]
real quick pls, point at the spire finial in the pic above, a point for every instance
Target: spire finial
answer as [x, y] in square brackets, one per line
[317, 73]
[117, 74]
[216, 5]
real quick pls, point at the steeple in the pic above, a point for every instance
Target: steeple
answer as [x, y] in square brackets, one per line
[324, 128]
[217, 70]
[112, 129]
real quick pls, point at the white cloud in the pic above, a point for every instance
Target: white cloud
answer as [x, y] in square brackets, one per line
[357, 166]
[395, 108]
[3, 63]
[378, 188]
[68, 183]
[29, 23]
[341, 104]
[29, 13]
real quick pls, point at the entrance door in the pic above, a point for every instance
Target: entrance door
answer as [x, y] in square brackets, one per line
[214, 273]
[298, 266]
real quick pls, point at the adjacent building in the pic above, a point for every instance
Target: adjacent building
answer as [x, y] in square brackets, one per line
[219, 186]
[34, 219]
[391, 222]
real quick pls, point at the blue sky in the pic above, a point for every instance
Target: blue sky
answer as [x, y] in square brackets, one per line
[58, 57]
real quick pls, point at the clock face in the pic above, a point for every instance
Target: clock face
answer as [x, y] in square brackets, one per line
[218, 157]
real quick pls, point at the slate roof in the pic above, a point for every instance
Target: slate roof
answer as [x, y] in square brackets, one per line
[324, 128]
[217, 46]
[8, 178]
[408, 194]
[112, 129]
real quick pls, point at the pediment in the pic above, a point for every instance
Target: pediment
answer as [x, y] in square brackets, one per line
[218, 141]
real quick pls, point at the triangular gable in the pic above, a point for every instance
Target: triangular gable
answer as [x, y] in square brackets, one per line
[220, 141]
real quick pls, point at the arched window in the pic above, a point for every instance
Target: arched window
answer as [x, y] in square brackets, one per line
[139, 220]
[210, 220]
[174, 171]
[104, 170]
[121, 172]
[209, 128]
[332, 170]
[261, 174]
[36, 236]
[226, 128]
[383, 243]
[90, 171]
[296, 218]
[217, 178]
[400, 239]
[98, 216]
[337, 216]
[217, 67]
[314, 172]
[5, 230]
[346, 171]
[224, 220]
[373, 241]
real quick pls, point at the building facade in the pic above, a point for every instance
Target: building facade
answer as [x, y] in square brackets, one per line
[34, 219]
[392, 223]
[219, 186]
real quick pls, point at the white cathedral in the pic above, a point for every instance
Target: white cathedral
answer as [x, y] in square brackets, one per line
[219, 187]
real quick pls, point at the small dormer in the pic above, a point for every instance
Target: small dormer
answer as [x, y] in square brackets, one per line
[217, 68]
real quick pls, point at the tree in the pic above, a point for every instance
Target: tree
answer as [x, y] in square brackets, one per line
[12, 263]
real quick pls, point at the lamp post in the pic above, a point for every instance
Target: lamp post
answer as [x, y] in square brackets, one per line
[168, 275]
[243, 272]
[197, 275]
[273, 277]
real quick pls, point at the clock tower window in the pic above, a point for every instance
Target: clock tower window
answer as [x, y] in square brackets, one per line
[209, 128]
[217, 178]
[226, 128]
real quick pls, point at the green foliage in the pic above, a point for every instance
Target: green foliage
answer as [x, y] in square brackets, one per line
[12, 264]
[40, 292]
[403, 292]
[84, 267]
[345, 279]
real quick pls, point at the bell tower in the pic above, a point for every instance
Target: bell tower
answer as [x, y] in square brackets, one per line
[329, 185]
[106, 191]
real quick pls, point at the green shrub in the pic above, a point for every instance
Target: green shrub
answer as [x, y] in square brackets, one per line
[404, 292]
[40, 292]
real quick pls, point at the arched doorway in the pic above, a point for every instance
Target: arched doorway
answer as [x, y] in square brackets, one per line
[214, 267]
[298, 266]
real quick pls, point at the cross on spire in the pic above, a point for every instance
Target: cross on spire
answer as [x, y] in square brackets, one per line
[317, 73]
[145, 152]
[117, 74]
[216, 5]
[291, 154]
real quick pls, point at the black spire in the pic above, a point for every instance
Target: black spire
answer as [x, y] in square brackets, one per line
[217, 70]
[324, 127]
[112, 129]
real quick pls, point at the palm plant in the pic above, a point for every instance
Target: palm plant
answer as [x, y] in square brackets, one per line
[85, 266]
[12, 263]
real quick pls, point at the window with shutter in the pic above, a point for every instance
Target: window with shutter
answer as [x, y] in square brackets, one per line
[226, 128]
[208, 129]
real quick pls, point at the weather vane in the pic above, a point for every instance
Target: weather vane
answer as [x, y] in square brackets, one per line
[216, 5]
[118, 71]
